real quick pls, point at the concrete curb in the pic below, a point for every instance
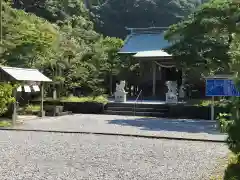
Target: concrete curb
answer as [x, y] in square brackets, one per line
[115, 134]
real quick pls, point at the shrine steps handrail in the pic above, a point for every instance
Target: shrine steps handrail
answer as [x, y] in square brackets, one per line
[135, 102]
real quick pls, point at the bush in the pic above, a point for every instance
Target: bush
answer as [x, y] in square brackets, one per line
[217, 103]
[97, 99]
[224, 120]
[5, 124]
[234, 127]
[5, 97]
[31, 108]
[233, 170]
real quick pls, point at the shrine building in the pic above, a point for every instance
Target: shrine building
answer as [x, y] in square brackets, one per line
[156, 66]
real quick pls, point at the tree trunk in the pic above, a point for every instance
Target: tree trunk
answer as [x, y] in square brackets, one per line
[110, 84]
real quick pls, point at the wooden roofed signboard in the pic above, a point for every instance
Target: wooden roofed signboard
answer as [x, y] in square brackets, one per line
[25, 75]
[22, 74]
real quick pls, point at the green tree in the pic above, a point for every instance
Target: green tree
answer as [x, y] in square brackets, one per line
[5, 97]
[26, 38]
[113, 62]
[203, 40]
[53, 10]
[111, 17]
[233, 132]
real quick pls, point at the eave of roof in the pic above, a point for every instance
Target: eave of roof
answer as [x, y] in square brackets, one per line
[155, 53]
[24, 74]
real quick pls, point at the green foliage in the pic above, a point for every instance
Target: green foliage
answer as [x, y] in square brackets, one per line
[31, 108]
[224, 121]
[234, 128]
[203, 40]
[52, 10]
[5, 97]
[233, 170]
[98, 99]
[26, 38]
[217, 103]
[5, 123]
[69, 51]
[111, 17]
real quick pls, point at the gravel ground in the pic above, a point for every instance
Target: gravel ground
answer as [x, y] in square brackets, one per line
[198, 129]
[55, 156]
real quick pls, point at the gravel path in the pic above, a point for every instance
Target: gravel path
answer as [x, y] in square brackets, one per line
[129, 125]
[55, 156]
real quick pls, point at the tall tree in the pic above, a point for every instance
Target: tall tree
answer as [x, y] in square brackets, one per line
[113, 62]
[204, 38]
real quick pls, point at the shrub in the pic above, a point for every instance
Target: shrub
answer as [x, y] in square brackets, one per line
[5, 124]
[98, 99]
[233, 170]
[224, 120]
[5, 97]
[31, 108]
[234, 127]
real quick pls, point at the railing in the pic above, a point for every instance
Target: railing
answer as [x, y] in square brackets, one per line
[135, 102]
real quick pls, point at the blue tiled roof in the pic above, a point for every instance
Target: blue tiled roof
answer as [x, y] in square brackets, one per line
[146, 41]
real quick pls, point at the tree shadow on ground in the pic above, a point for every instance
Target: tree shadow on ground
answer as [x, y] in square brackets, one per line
[158, 124]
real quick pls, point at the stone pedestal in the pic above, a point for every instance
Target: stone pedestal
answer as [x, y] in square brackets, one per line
[171, 98]
[120, 96]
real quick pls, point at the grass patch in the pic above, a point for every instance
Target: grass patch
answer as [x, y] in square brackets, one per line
[5, 123]
[97, 99]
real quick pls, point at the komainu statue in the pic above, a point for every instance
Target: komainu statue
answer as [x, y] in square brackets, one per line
[120, 87]
[171, 95]
[120, 94]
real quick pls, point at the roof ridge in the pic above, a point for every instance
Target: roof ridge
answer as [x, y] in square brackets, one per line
[147, 28]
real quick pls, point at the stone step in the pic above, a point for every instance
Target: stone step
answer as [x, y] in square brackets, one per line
[131, 113]
[139, 105]
[138, 109]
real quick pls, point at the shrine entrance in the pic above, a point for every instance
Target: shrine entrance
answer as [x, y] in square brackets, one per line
[157, 67]
[155, 71]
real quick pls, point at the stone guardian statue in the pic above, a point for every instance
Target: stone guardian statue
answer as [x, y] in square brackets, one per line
[171, 95]
[120, 94]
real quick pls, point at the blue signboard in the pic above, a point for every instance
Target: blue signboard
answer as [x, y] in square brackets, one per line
[221, 87]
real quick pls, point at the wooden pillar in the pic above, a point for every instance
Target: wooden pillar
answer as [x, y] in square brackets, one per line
[183, 77]
[42, 98]
[154, 78]
[14, 115]
[182, 92]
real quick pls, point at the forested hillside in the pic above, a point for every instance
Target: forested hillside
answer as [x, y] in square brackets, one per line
[112, 16]
[58, 38]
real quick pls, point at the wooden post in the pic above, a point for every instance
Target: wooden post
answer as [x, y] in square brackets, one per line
[14, 115]
[154, 78]
[42, 98]
[160, 72]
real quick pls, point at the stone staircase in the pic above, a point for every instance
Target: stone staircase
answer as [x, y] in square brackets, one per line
[141, 109]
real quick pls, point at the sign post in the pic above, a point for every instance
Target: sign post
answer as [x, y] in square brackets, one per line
[217, 86]
[212, 109]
